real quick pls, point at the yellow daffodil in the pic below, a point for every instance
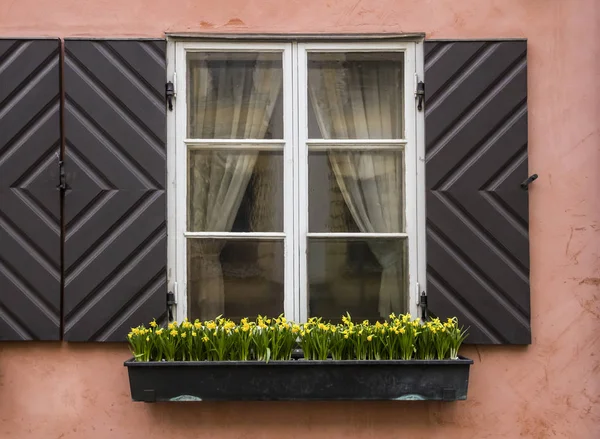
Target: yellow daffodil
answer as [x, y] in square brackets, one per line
[194, 333]
[147, 338]
[205, 339]
[173, 332]
[183, 334]
[153, 323]
[370, 338]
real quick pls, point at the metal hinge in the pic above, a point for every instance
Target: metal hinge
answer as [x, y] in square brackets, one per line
[62, 179]
[170, 92]
[172, 301]
[419, 92]
[423, 305]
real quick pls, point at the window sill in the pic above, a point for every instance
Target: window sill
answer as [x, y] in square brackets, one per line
[297, 380]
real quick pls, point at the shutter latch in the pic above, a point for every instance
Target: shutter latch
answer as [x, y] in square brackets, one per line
[420, 95]
[62, 179]
[528, 181]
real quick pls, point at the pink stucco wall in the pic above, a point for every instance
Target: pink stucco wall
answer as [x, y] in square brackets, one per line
[549, 389]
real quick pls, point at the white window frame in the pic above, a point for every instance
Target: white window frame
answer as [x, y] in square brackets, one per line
[295, 157]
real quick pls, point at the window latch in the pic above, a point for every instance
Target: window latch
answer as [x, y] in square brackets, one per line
[528, 181]
[170, 94]
[420, 95]
[62, 179]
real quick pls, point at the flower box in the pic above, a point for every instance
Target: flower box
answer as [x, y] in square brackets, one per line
[442, 380]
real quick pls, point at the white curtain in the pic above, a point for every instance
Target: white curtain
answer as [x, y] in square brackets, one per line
[361, 102]
[233, 101]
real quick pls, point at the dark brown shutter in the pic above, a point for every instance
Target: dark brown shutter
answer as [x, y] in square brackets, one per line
[115, 208]
[29, 200]
[477, 213]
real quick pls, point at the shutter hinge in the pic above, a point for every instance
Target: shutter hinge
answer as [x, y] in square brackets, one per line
[62, 179]
[420, 94]
[170, 92]
[171, 301]
[423, 305]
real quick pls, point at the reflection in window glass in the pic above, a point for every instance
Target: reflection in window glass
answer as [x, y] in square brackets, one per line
[234, 278]
[366, 277]
[356, 95]
[356, 191]
[235, 95]
[235, 191]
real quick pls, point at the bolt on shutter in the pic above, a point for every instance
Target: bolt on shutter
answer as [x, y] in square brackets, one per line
[477, 213]
[29, 199]
[115, 250]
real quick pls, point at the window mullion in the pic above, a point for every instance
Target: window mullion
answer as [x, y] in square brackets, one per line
[290, 302]
[302, 180]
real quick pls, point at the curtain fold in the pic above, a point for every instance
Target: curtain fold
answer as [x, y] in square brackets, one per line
[355, 101]
[233, 101]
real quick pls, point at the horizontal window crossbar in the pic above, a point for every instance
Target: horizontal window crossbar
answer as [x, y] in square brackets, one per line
[357, 235]
[277, 236]
[355, 144]
[279, 142]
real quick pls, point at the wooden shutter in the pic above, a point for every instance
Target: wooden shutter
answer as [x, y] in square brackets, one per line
[477, 213]
[29, 199]
[115, 208]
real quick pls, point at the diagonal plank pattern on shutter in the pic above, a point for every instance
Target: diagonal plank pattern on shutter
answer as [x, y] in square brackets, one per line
[29, 199]
[477, 214]
[115, 205]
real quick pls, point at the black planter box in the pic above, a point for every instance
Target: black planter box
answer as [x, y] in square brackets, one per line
[444, 380]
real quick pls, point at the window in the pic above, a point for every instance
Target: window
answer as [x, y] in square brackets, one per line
[298, 179]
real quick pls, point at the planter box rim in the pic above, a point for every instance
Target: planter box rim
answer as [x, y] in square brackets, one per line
[301, 362]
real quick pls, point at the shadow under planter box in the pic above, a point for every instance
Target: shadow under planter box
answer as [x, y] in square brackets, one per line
[295, 380]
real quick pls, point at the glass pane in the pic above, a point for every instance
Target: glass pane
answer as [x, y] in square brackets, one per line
[356, 95]
[234, 278]
[367, 278]
[235, 191]
[356, 191]
[235, 95]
